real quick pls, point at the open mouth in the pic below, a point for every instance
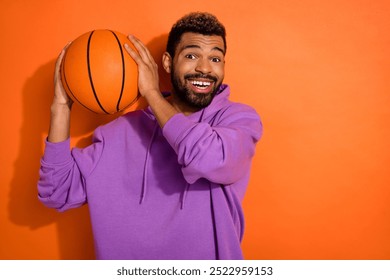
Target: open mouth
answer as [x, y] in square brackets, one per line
[201, 86]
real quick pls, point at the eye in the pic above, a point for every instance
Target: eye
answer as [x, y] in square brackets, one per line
[216, 59]
[190, 56]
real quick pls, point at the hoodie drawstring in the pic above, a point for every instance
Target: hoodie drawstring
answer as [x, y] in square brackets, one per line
[145, 175]
[183, 195]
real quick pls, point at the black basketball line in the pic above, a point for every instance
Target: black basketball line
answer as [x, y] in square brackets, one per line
[135, 100]
[123, 70]
[90, 74]
[66, 84]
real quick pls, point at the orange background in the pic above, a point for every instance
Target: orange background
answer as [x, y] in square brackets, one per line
[316, 71]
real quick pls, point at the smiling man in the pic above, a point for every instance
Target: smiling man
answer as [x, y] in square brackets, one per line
[166, 182]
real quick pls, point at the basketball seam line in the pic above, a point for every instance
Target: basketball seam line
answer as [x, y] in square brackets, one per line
[65, 83]
[123, 71]
[90, 74]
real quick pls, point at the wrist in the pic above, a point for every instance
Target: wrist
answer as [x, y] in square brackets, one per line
[151, 94]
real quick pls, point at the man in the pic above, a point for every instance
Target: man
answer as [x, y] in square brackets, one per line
[166, 182]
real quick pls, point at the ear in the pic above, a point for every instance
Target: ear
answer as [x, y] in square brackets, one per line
[167, 62]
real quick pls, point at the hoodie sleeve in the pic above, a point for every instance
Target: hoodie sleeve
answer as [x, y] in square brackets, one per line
[220, 153]
[63, 171]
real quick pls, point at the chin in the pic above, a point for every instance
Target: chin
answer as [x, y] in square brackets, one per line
[200, 101]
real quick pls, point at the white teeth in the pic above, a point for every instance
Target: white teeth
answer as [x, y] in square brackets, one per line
[201, 83]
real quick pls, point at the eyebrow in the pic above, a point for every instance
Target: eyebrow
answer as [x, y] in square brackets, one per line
[198, 47]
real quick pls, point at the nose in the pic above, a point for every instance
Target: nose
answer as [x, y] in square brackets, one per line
[203, 66]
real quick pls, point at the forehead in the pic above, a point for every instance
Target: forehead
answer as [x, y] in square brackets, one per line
[203, 42]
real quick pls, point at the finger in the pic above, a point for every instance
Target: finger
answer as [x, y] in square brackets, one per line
[57, 71]
[145, 61]
[135, 55]
[141, 48]
[65, 48]
[137, 43]
[61, 55]
[59, 58]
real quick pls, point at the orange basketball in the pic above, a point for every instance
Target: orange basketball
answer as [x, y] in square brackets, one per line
[99, 74]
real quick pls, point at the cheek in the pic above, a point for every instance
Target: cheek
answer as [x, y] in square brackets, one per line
[179, 73]
[220, 71]
[183, 65]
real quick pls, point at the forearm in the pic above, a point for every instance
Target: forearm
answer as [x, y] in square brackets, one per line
[220, 153]
[59, 129]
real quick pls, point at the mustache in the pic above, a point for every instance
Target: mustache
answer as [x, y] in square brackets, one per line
[201, 76]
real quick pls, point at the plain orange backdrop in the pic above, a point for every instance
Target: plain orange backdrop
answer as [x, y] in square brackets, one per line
[316, 71]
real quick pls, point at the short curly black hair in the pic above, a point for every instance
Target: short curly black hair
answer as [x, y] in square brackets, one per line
[196, 22]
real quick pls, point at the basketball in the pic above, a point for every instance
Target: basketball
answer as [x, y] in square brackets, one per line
[97, 72]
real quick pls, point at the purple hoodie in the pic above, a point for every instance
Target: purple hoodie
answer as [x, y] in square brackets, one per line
[152, 193]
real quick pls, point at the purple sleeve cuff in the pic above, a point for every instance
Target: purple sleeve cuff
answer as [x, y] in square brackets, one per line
[175, 127]
[56, 153]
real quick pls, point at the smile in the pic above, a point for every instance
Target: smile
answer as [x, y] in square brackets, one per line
[200, 84]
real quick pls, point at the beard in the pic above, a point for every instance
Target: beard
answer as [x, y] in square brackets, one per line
[188, 96]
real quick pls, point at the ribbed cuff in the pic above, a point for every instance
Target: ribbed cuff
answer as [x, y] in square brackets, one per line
[175, 127]
[56, 153]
